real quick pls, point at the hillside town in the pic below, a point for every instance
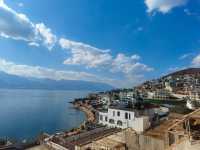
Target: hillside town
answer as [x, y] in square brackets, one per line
[161, 114]
[181, 84]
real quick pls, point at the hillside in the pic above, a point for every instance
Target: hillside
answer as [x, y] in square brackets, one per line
[188, 71]
[183, 82]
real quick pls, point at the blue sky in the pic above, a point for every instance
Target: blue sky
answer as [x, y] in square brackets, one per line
[120, 43]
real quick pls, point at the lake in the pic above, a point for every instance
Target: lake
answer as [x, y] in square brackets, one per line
[26, 113]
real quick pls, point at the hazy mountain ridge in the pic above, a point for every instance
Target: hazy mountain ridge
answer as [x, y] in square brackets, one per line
[16, 82]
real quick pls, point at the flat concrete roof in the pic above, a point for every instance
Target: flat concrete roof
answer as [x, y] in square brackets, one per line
[85, 137]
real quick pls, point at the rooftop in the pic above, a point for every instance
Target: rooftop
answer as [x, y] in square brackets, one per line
[159, 131]
[134, 107]
[85, 138]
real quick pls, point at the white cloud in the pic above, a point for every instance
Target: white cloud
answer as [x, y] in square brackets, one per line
[18, 26]
[46, 35]
[34, 44]
[84, 54]
[129, 65]
[163, 6]
[196, 61]
[15, 25]
[92, 57]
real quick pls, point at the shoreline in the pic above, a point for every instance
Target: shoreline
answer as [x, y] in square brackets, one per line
[86, 109]
[90, 117]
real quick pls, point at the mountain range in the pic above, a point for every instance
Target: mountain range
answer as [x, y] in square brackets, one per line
[8, 81]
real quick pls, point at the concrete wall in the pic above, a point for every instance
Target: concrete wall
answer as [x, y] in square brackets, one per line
[149, 143]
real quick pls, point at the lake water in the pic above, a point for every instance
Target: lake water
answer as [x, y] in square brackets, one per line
[26, 113]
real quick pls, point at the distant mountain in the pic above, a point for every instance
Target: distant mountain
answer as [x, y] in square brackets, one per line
[16, 82]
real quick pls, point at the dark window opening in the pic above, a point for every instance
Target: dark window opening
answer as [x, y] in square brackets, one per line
[119, 122]
[111, 121]
[126, 115]
[118, 113]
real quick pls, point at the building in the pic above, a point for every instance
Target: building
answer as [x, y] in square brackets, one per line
[168, 87]
[194, 94]
[126, 94]
[162, 94]
[178, 132]
[150, 95]
[137, 119]
[97, 139]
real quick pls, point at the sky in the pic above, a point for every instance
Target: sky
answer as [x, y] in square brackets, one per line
[122, 43]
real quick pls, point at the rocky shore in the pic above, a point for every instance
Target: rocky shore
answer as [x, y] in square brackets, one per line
[87, 109]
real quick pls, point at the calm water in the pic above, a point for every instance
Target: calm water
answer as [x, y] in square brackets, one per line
[26, 113]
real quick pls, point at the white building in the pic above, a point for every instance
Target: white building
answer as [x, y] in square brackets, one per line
[129, 118]
[126, 94]
[150, 95]
[168, 87]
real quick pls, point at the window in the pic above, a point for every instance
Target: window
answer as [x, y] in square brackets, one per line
[119, 123]
[111, 121]
[101, 117]
[126, 115]
[113, 113]
[118, 113]
[129, 116]
[106, 118]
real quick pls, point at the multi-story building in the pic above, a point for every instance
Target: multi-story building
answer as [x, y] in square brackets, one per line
[137, 119]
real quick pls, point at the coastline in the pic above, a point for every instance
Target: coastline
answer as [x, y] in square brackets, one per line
[90, 117]
[87, 109]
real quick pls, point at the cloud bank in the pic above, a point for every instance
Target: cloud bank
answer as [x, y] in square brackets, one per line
[42, 72]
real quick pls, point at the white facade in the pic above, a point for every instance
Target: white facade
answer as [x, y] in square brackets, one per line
[124, 119]
[168, 87]
[150, 95]
[126, 94]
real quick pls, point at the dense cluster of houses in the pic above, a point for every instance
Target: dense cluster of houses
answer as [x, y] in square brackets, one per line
[173, 86]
